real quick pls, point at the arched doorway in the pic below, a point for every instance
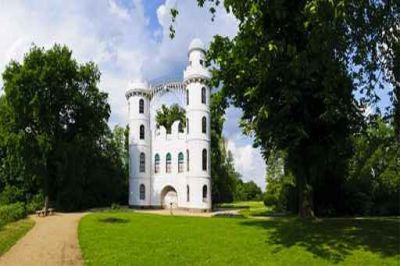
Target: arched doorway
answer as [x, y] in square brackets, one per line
[169, 198]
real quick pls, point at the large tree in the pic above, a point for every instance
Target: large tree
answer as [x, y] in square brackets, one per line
[53, 117]
[293, 68]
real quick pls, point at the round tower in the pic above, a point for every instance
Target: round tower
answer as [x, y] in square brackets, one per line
[196, 78]
[139, 144]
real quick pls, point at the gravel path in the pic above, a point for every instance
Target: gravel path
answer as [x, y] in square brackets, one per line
[52, 241]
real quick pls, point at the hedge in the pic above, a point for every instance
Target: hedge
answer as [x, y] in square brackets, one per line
[12, 212]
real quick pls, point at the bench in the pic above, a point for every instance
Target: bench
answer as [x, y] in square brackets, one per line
[42, 212]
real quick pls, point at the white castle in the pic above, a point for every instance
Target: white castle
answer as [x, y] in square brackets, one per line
[172, 170]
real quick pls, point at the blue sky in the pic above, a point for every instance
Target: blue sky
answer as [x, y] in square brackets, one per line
[128, 39]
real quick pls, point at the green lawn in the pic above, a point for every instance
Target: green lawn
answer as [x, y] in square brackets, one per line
[10, 233]
[127, 238]
[248, 208]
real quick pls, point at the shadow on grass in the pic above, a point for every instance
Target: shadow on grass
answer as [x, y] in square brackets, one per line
[333, 239]
[113, 220]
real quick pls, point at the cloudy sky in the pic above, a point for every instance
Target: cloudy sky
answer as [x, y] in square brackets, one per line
[129, 40]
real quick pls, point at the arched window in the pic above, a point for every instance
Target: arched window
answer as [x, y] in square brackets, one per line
[203, 95]
[157, 163]
[141, 106]
[187, 125]
[142, 192]
[187, 97]
[204, 125]
[187, 193]
[204, 161]
[141, 131]
[180, 127]
[187, 160]
[180, 162]
[168, 163]
[204, 193]
[142, 163]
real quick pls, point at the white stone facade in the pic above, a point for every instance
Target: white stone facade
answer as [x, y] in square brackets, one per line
[172, 170]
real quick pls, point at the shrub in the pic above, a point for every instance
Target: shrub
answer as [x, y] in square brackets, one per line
[115, 206]
[12, 212]
[10, 194]
[35, 203]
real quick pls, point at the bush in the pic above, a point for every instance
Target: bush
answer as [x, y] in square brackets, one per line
[12, 212]
[115, 206]
[35, 203]
[10, 194]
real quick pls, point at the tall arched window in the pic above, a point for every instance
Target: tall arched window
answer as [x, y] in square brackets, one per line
[187, 193]
[180, 162]
[157, 163]
[204, 125]
[187, 160]
[187, 125]
[203, 95]
[141, 106]
[141, 131]
[142, 163]
[168, 163]
[204, 161]
[187, 97]
[180, 127]
[204, 193]
[142, 192]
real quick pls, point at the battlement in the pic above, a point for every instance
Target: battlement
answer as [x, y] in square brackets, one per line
[160, 134]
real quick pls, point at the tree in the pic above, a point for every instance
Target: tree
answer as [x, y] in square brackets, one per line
[166, 116]
[373, 184]
[280, 184]
[293, 68]
[247, 191]
[223, 175]
[54, 117]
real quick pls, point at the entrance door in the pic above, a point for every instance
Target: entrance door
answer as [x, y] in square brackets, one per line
[169, 198]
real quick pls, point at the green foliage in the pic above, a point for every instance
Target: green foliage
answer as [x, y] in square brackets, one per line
[280, 185]
[223, 174]
[373, 185]
[246, 191]
[166, 116]
[35, 203]
[10, 194]
[12, 212]
[115, 206]
[54, 137]
[113, 238]
[293, 68]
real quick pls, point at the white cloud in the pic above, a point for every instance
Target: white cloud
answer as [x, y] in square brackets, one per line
[118, 38]
[248, 161]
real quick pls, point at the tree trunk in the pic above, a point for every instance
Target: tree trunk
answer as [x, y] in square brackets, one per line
[304, 189]
[306, 206]
[46, 205]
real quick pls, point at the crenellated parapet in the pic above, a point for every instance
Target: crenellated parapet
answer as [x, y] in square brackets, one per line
[161, 134]
[172, 169]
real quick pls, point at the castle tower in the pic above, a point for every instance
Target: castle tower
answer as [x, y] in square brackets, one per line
[196, 77]
[139, 145]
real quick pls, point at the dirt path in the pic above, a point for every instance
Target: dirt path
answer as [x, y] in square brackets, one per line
[179, 212]
[52, 241]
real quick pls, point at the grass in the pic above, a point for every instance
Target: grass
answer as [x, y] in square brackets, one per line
[12, 232]
[127, 238]
[248, 208]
